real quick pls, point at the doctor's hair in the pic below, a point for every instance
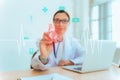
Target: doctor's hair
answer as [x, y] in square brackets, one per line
[62, 11]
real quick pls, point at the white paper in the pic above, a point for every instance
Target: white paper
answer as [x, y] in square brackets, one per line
[53, 76]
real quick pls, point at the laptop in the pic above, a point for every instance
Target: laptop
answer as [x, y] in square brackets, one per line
[99, 56]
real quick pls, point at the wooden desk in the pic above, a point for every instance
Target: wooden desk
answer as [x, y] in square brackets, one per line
[112, 74]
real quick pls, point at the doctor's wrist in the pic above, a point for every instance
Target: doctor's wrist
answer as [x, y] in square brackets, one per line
[43, 59]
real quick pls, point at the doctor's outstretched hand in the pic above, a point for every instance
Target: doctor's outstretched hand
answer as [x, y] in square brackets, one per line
[46, 46]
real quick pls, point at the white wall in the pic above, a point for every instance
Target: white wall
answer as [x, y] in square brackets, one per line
[22, 23]
[81, 30]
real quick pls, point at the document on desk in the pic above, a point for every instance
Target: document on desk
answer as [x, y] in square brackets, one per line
[53, 76]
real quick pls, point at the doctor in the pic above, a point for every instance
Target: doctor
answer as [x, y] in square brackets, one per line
[65, 51]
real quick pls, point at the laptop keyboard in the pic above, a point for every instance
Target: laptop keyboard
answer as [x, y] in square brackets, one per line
[78, 68]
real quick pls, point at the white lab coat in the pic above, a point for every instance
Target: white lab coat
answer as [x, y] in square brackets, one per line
[72, 51]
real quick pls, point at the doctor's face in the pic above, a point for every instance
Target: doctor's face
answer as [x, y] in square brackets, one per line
[60, 22]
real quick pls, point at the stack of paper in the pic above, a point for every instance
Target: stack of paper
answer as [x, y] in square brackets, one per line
[53, 76]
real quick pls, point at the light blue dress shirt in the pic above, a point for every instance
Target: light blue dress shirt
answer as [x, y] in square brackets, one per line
[71, 50]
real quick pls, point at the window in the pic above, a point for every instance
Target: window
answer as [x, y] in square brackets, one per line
[94, 22]
[101, 21]
[94, 29]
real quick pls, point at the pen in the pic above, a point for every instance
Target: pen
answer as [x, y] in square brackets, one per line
[54, 49]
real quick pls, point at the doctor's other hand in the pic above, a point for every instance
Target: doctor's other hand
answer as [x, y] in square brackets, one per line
[46, 45]
[65, 63]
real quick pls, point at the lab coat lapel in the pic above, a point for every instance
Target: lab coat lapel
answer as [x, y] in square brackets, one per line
[67, 47]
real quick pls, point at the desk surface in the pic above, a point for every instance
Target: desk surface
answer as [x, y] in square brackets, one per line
[111, 74]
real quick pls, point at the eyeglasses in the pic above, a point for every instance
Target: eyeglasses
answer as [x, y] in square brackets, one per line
[64, 21]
